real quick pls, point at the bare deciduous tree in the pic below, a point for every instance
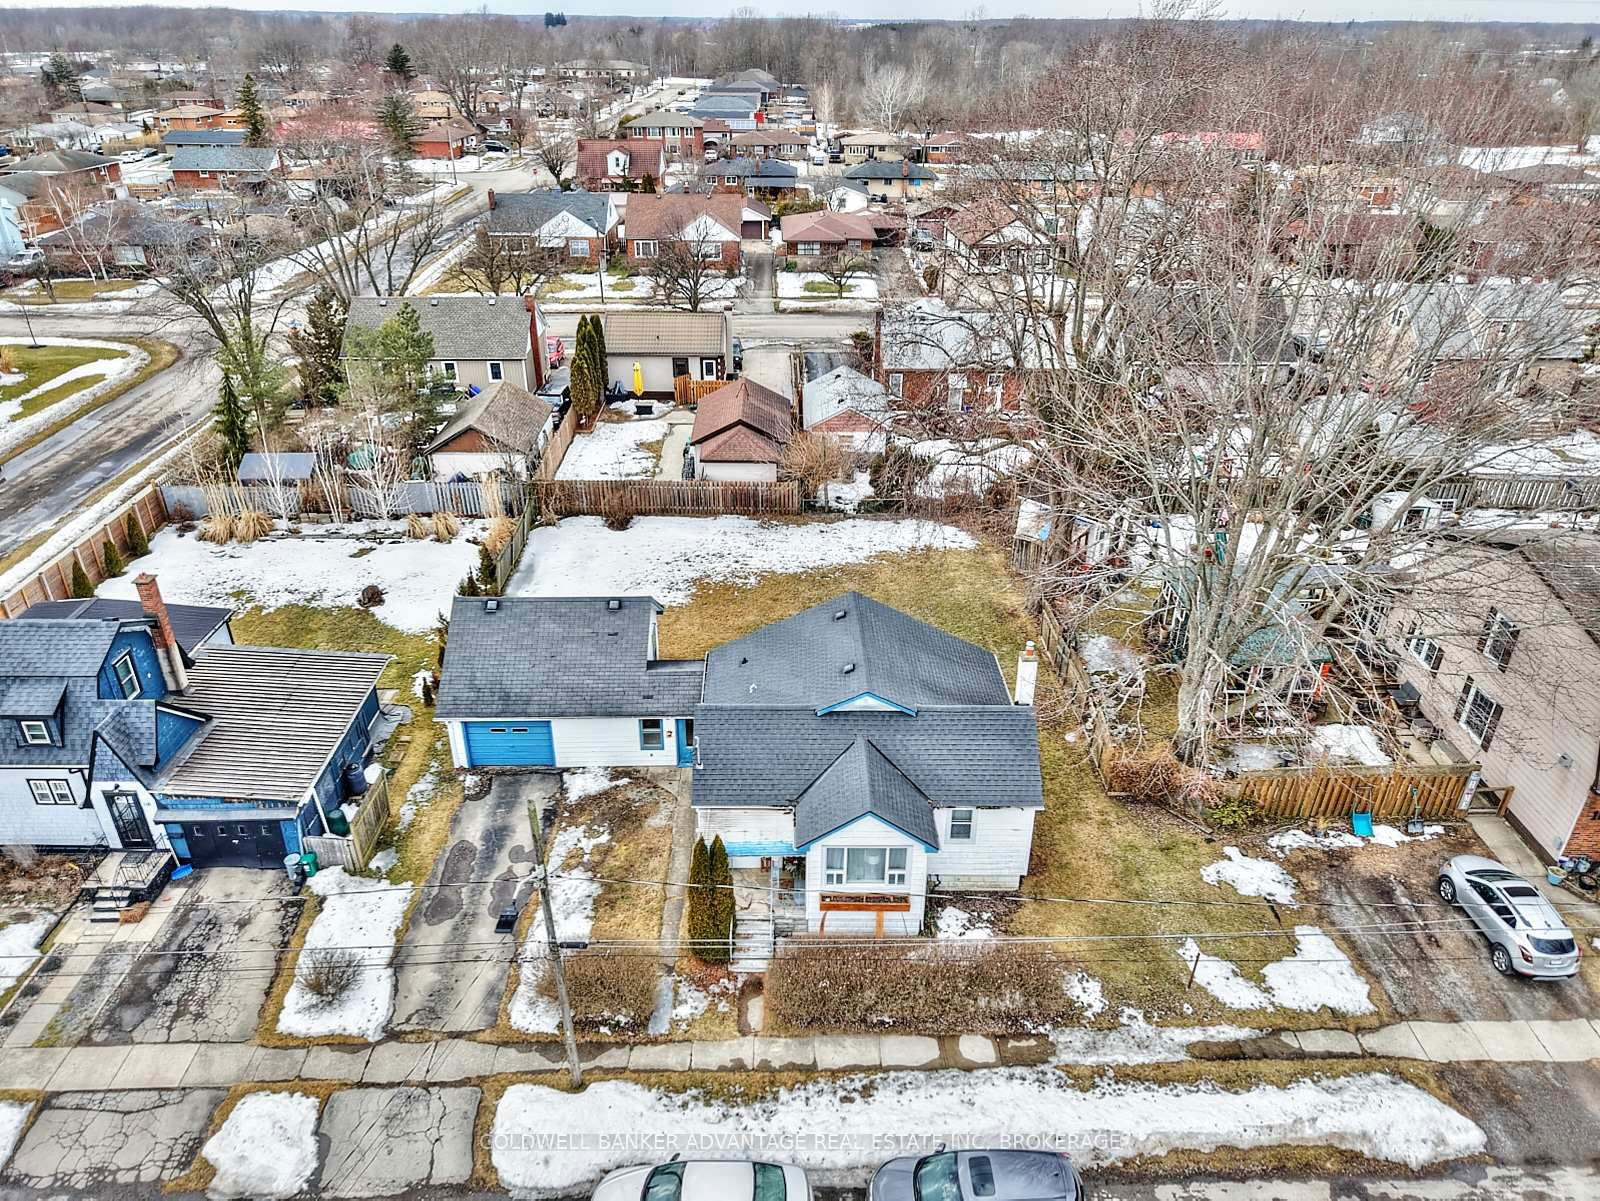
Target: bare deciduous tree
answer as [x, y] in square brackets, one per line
[687, 273]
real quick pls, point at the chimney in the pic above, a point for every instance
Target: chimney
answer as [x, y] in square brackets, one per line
[491, 198]
[1027, 674]
[168, 652]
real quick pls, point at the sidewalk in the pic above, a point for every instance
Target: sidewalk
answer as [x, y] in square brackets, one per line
[204, 1065]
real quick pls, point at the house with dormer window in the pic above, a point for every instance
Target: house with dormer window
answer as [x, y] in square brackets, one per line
[615, 164]
[143, 730]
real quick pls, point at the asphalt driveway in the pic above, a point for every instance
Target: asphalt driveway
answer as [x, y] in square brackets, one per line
[205, 976]
[1429, 958]
[451, 966]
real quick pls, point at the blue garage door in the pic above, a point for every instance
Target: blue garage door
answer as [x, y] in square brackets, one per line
[508, 744]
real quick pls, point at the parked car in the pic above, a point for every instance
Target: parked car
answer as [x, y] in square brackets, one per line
[555, 351]
[706, 1180]
[496, 147]
[971, 1175]
[557, 388]
[713, 155]
[921, 239]
[1526, 935]
[819, 158]
[130, 156]
[26, 261]
[738, 356]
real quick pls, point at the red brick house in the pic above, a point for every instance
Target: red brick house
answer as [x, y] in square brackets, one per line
[684, 136]
[234, 168]
[711, 223]
[448, 139]
[819, 235]
[190, 116]
[770, 143]
[610, 164]
[944, 148]
[932, 357]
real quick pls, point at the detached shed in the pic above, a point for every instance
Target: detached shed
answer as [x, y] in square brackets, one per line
[286, 467]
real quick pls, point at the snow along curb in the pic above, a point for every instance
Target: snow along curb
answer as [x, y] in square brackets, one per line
[133, 360]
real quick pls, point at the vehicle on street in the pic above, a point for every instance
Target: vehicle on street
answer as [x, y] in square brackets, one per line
[26, 261]
[819, 158]
[496, 147]
[130, 156]
[1526, 935]
[975, 1175]
[557, 388]
[712, 156]
[738, 356]
[706, 1180]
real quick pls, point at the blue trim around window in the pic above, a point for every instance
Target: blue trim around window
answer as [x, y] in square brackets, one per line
[866, 696]
[661, 734]
[807, 845]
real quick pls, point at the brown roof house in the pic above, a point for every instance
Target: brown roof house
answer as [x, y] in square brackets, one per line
[666, 344]
[610, 164]
[819, 235]
[739, 434]
[504, 429]
[711, 224]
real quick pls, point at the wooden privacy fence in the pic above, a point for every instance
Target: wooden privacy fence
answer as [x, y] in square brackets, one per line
[355, 849]
[1395, 792]
[1521, 492]
[54, 580]
[666, 498]
[686, 391]
[556, 449]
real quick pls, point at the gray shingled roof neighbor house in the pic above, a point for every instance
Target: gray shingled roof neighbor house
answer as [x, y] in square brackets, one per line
[933, 725]
[247, 160]
[463, 327]
[528, 212]
[191, 624]
[539, 657]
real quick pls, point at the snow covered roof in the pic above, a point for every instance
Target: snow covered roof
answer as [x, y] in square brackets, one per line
[844, 389]
[928, 335]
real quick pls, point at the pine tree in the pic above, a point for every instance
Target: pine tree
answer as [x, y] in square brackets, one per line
[138, 544]
[231, 420]
[398, 63]
[701, 898]
[255, 117]
[112, 558]
[82, 589]
[579, 380]
[469, 586]
[722, 907]
[401, 125]
[318, 346]
[486, 572]
[61, 78]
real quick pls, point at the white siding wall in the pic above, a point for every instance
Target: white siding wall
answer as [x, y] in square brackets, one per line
[445, 465]
[609, 742]
[746, 825]
[22, 822]
[146, 801]
[868, 832]
[657, 370]
[751, 473]
[458, 743]
[997, 856]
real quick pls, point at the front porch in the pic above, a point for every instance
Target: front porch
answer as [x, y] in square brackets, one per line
[125, 878]
[769, 904]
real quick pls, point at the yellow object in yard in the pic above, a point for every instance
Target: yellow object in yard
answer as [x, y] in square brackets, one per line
[638, 380]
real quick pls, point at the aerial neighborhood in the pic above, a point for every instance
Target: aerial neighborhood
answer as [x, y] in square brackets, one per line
[689, 608]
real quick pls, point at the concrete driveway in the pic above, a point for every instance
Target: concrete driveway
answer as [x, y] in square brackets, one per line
[758, 270]
[451, 966]
[1429, 959]
[205, 976]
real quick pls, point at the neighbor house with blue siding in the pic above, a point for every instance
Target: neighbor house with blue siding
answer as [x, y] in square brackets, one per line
[130, 726]
[859, 756]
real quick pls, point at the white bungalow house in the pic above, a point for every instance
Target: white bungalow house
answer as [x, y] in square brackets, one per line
[859, 756]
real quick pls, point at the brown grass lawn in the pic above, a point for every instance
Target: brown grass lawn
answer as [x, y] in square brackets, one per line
[1085, 844]
[72, 290]
[638, 814]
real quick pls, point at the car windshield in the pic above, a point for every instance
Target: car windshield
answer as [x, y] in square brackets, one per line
[664, 1184]
[936, 1179]
[769, 1182]
[1495, 873]
[1553, 946]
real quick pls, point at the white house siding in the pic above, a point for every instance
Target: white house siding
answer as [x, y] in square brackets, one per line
[867, 832]
[609, 742]
[746, 825]
[743, 473]
[25, 823]
[472, 463]
[147, 802]
[997, 856]
[657, 369]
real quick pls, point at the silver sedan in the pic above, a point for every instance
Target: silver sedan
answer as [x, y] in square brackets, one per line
[1526, 935]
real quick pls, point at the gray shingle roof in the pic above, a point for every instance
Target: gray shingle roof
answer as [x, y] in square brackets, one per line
[802, 661]
[60, 659]
[191, 624]
[285, 465]
[873, 169]
[203, 137]
[54, 649]
[539, 657]
[725, 104]
[983, 755]
[527, 212]
[511, 417]
[30, 696]
[862, 781]
[463, 327]
[249, 160]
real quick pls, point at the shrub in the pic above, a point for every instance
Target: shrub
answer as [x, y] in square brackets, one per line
[1156, 777]
[8, 361]
[138, 544]
[370, 597]
[610, 989]
[251, 525]
[488, 580]
[81, 587]
[930, 278]
[1233, 813]
[701, 899]
[722, 903]
[327, 973]
[112, 558]
[417, 528]
[217, 527]
[445, 526]
[815, 984]
[616, 511]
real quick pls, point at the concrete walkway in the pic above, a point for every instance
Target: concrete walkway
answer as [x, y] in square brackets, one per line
[678, 861]
[1507, 846]
[203, 1065]
[680, 424]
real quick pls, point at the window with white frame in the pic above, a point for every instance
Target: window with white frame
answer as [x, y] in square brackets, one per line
[1499, 638]
[35, 733]
[51, 792]
[496, 371]
[448, 370]
[956, 382]
[127, 676]
[644, 249]
[995, 382]
[1478, 712]
[897, 384]
[864, 865]
[809, 248]
[578, 248]
[1425, 651]
[961, 825]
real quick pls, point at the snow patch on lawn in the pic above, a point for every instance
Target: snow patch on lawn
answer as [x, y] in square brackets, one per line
[363, 916]
[690, 1000]
[1135, 1040]
[792, 286]
[959, 467]
[1347, 743]
[1318, 975]
[613, 451]
[1338, 840]
[1250, 877]
[418, 796]
[19, 947]
[665, 557]
[266, 1148]
[13, 1117]
[1086, 992]
[128, 359]
[1374, 1114]
[1105, 655]
[572, 899]
[958, 923]
[418, 577]
[584, 783]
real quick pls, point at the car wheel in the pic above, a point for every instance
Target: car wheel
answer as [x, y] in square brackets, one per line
[1447, 890]
[1501, 958]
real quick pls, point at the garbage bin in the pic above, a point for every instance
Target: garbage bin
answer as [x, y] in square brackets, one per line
[295, 870]
[338, 823]
[308, 860]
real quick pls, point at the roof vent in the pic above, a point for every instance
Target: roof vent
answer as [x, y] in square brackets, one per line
[491, 302]
[839, 616]
[613, 604]
[491, 605]
[433, 301]
[848, 668]
[383, 304]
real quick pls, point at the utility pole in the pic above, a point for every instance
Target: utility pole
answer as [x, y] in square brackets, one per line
[574, 1069]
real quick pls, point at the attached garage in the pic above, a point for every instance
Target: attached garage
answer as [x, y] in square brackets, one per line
[235, 843]
[509, 744]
